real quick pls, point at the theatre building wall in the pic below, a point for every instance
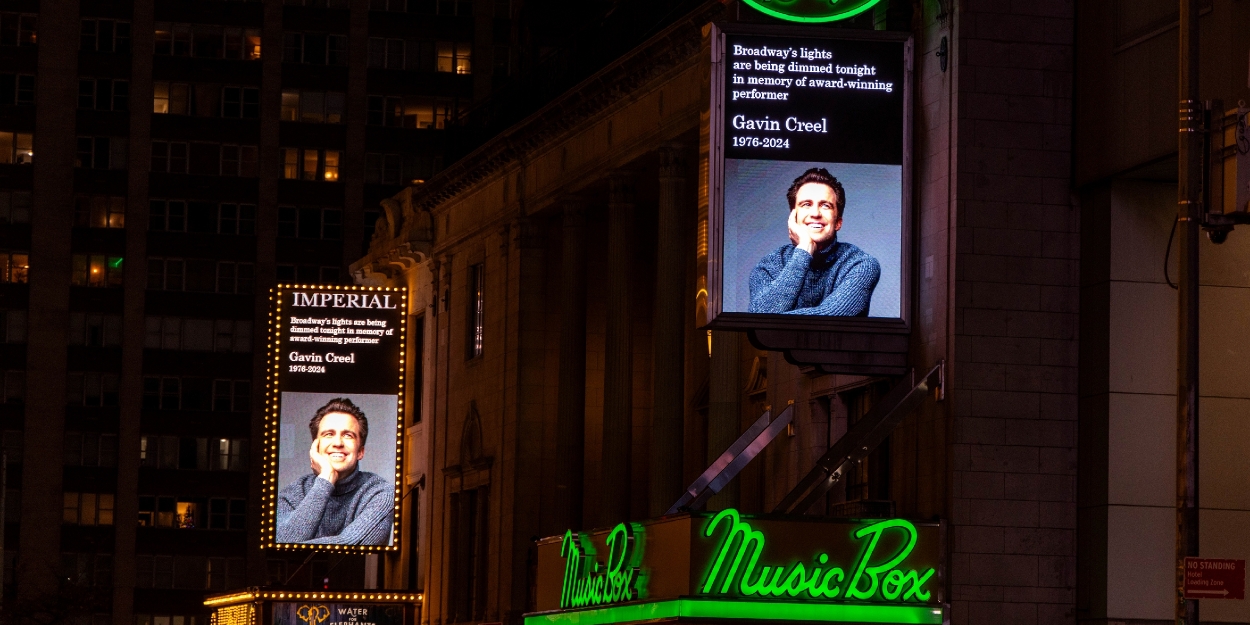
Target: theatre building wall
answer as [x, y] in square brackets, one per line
[573, 245]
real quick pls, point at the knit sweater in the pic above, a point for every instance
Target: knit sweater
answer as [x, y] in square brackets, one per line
[356, 510]
[838, 281]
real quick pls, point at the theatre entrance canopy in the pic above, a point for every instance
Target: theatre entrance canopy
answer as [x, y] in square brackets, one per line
[726, 567]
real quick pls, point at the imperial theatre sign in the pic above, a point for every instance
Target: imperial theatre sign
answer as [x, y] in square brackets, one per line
[729, 566]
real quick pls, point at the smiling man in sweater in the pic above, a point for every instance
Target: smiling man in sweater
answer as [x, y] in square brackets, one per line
[337, 503]
[815, 274]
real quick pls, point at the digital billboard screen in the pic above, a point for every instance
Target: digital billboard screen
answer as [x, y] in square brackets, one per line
[334, 417]
[809, 203]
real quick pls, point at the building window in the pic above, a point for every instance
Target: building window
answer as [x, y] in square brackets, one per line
[313, 106]
[17, 89]
[234, 277]
[307, 274]
[238, 160]
[88, 509]
[166, 274]
[96, 270]
[17, 29]
[15, 207]
[310, 222]
[240, 102]
[105, 36]
[207, 41]
[386, 53]
[103, 94]
[232, 395]
[91, 449]
[454, 57]
[467, 564]
[14, 391]
[17, 148]
[99, 211]
[315, 49]
[95, 329]
[869, 479]
[476, 309]
[397, 169]
[171, 98]
[14, 267]
[177, 333]
[101, 153]
[194, 454]
[227, 514]
[310, 164]
[13, 326]
[408, 111]
[167, 215]
[162, 393]
[91, 389]
[236, 219]
[169, 156]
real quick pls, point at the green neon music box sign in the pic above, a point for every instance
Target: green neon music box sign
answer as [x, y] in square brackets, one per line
[811, 11]
[730, 566]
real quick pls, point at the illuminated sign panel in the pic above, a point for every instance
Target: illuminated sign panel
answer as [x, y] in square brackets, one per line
[811, 11]
[726, 565]
[808, 170]
[334, 418]
[315, 613]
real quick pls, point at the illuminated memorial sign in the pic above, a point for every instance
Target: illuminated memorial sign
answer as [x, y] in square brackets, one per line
[334, 419]
[811, 11]
[808, 177]
[728, 566]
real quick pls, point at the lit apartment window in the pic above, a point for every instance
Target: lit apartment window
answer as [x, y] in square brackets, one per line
[16, 148]
[17, 29]
[17, 89]
[313, 106]
[476, 309]
[310, 164]
[207, 41]
[454, 57]
[105, 36]
[14, 267]
[96, 270]
[99, 211]
[170, 98]
[88, 509]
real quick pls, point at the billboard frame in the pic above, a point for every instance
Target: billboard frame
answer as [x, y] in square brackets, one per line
[273, 419]
[716, 317]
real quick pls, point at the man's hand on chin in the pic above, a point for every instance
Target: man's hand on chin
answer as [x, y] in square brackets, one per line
[321, 464]
[800, 234]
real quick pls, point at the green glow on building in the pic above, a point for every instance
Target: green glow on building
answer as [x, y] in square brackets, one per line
[753, 610]
[811, 11]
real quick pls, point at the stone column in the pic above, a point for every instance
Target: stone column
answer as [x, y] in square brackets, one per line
[723, 412]
[618, 383]
[571, 409]
[669, 356]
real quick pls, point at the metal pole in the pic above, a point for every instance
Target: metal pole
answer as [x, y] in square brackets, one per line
[1189, 215]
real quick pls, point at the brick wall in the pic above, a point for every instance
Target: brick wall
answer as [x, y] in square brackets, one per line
[1013, 422]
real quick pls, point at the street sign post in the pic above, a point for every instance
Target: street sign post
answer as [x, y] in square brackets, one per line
[1215, 578]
